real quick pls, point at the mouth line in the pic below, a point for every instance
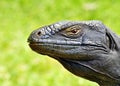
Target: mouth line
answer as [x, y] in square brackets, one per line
[87, 47]
[62, 42]
[54, 42]
[68, 44]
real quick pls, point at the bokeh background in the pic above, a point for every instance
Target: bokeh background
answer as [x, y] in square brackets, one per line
[19, 65]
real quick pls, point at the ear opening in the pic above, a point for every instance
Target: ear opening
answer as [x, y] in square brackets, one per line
[110, 41]
[114, 40]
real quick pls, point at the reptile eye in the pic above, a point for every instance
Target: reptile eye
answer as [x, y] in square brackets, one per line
[73, 31]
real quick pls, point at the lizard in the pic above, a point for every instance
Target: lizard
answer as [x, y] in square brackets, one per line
[88, 49]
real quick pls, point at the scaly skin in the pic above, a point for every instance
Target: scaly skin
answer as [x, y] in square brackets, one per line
[86, 48]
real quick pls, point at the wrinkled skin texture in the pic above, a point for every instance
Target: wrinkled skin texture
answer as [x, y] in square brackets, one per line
[86, 48]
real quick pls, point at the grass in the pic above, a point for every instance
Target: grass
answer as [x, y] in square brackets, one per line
[19, 66]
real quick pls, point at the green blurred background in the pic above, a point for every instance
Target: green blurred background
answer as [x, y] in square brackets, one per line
[19, 65]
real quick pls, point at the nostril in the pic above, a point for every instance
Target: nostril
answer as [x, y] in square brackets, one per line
[39, 33]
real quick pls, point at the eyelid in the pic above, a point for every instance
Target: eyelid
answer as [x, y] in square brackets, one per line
[69, 29]
[77, 27]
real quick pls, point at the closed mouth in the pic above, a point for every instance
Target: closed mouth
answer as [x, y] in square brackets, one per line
[88, 47]
[68, 44]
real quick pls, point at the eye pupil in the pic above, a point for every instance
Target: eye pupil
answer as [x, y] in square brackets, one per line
[74, 31]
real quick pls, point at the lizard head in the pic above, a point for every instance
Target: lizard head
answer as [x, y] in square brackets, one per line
[73, 40]
[82, 47]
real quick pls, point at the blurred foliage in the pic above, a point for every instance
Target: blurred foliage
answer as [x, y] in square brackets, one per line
[19, 66]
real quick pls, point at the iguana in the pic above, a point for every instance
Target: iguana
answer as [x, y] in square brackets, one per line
[86, 48]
